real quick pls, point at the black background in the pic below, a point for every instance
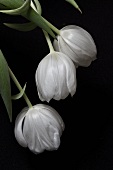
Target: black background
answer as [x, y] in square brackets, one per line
[87, 142]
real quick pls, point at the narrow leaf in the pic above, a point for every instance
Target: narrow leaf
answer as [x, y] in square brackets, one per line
[2, 7]
[34, 17]
[72, 2]
[19, 95]
[36, 6]
[22, 27]
[5, 88]
[11, 4]
[29, 13]
[26, 26]
[19, 10]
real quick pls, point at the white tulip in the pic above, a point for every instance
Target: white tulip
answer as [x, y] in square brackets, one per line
[55, 77]
[39, 128]
[77, 44]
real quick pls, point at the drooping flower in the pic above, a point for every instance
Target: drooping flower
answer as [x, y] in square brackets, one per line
[39, 128]
[55, 77]
[77, 44]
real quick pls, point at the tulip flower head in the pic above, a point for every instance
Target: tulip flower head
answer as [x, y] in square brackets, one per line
[39, 128]
[55, 77]
[77, 44]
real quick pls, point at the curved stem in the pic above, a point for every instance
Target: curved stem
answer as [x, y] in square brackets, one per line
[56, 30]
[48, 41]
[33, 16]
[19, 87]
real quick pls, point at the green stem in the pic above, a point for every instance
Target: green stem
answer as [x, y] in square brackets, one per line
[56, 30]
[19, 87]
[48, 41]
[12, 4]
[33, 16]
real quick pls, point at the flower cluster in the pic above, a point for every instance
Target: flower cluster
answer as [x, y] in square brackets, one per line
[40, 127]
[56, 73]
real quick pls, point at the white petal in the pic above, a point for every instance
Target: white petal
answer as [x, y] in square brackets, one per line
[31, 133]
[54, 135]
[18, 128]
[80, 37]
[55, 77]
[80, 40]
[53, 129]
[51, 114]
[65, 48]
[62, 91]
[50, 78]
[77, 44]
[70, 74]
[44, 78]
[36, 133]
[55, 44]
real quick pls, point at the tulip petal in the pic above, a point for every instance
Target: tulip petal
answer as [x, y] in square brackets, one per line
[30, 133]
[53, 123]
[84, 40]
[35, 133]
[77, 44]
[54, 135]
[62, 90]
[55, 44]
[45, 79]
[73, 51]
[50, 141]
[65, 48]
[42, 128]
[70, 74]
[53, 75]
[18, 128]
[51, 115]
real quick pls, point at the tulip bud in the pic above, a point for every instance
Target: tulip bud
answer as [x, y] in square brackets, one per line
[55, 77]
[39, 128]
[77, 44]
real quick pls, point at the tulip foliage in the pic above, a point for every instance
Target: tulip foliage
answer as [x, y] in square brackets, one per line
[40, 127]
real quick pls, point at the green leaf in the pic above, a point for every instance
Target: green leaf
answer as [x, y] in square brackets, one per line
[29, 13]
[3, 6]
[22, 27]
[26, 26]
[72, 2]
[11, 4]
[36, 6]
[19, 10]
[5, 88]
[19, 95]
[37, 19]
